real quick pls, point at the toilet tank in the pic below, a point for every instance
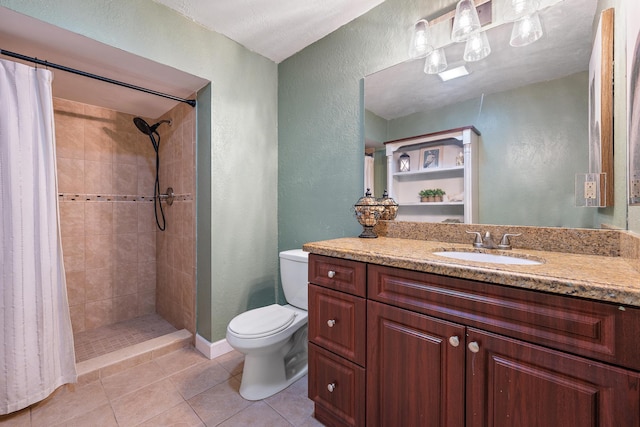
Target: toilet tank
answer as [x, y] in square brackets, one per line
[294, 273]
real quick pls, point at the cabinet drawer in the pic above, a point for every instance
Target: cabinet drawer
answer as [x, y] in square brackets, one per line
[339, 274]
[337, 322]
[588, 328]
[337, 387]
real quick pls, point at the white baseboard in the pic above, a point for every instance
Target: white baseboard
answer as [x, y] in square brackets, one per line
[212, 350]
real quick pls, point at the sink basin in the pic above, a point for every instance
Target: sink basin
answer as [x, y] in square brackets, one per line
[485, 257]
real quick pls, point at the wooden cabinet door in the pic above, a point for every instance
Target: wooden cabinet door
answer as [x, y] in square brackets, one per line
[415, 376]
[513, 383]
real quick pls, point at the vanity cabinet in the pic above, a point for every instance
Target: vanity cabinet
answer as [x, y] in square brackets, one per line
[445, 160]
[443, 351]
[337, 340]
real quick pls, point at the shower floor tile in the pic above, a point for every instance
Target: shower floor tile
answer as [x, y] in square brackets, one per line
[94, 343]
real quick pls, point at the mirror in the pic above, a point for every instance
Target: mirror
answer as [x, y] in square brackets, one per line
[529, 103]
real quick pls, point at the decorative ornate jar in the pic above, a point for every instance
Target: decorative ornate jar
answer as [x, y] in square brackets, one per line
[390, 207]
[368, 211]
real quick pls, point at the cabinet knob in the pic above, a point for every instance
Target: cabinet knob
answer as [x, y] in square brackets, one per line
[331, 387]
[474, 347]
[331, 274]
[331, 322]
[454, 341]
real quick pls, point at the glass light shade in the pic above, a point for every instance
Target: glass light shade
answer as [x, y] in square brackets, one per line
[516, 9]
[404, 163]
[526, 31]
[420, 40]
[465, 21]
[436, 62]
[477, 47]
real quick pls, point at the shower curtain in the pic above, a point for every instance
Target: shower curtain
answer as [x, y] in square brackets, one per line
[36, 341]
[368, 173]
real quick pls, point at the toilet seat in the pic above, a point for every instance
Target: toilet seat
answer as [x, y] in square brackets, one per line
[262, 322]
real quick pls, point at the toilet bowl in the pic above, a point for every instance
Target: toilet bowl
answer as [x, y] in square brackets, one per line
[274, 338]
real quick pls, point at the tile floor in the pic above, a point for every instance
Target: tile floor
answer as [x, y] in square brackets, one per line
[100, 341]
[180, 388]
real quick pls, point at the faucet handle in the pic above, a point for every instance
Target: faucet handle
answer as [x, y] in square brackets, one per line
[504, 242]
[477, 242]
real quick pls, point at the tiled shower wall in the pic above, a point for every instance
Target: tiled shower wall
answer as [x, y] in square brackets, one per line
[176, 289]
[106, 172]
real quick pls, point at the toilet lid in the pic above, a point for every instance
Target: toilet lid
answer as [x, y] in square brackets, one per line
[262, 322]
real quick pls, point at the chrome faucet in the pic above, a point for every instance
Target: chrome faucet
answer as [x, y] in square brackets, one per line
[487, 242]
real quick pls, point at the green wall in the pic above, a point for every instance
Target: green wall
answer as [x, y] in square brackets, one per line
[237, 143]
[320, 143]
[531, 148]
[320, 116]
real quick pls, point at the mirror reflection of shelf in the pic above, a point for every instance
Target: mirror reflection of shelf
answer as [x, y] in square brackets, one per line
[431, 204]
[431, 171]
[444, 160]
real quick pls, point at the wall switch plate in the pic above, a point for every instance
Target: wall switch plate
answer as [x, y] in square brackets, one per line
[635, 188]
[590, 190]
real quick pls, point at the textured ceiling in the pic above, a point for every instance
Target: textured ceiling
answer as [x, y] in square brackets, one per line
[279, 28]
[275, 29]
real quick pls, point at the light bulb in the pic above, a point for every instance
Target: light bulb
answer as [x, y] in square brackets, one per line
[436, 62]
[465, 21]
[526, 31]
[420, 46]
[516, 9]
[477, 47]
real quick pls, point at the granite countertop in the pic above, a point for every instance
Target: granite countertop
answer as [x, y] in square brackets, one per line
[603, 278]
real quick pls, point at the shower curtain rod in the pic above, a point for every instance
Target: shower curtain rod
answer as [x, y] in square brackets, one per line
[191, 102]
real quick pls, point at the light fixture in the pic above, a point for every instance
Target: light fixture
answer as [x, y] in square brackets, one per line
[477, 47]
[420, 40]
[404, 162]
[429, 40]
[436, 62]
[465, 21]
[516, 9]
[453, 73]
[526, 31]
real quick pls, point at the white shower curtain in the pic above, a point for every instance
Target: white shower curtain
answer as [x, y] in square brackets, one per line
[368, 174]
[36, 341]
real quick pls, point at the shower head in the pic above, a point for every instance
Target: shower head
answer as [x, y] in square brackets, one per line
[144, 127]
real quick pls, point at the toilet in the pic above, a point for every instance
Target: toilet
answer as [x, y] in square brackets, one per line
[274, 338]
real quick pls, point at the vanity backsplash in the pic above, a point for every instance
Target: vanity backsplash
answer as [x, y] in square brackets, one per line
[603, 242]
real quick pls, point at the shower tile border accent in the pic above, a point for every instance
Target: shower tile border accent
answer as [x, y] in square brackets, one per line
[72, 197]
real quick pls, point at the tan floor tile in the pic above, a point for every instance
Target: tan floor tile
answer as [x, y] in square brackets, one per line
[181, 415]
[233, 362]
[102, 416]
[228, 402]
[146, 403]
[67, 403]
[132, 379]
[17, 419]
[310, 422]
[181, 359]
[258, 414]
[199, 378]
[292, 403]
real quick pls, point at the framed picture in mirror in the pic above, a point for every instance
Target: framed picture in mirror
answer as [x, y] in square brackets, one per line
[430, 158]
[633, 101]
[601, 106]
